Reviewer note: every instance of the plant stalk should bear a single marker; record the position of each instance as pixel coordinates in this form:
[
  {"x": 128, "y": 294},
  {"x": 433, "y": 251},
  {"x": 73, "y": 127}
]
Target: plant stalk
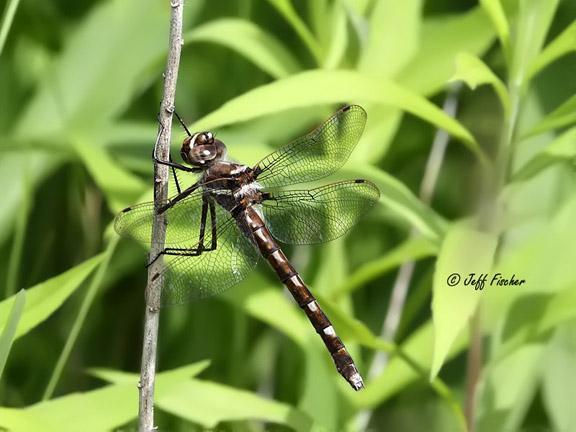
[
  {"x": 162, "y": 149},
  {"x": 406, "y": 271}
]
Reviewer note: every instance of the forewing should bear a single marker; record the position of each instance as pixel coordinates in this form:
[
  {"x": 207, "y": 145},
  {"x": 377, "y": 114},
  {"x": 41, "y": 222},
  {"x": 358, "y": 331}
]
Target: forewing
[
  {"x": 318, "y": 215},
  {"x": 316, "y": 155},
  {"x": 184, "y": 179},
  {"x": 183, "y": 221},
  {"x": 188, "y": 278}
]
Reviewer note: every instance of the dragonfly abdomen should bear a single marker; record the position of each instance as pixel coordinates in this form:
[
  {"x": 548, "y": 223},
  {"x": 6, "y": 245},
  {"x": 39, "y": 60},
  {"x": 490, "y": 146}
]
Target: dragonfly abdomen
[{"x": 292, "y": 280}]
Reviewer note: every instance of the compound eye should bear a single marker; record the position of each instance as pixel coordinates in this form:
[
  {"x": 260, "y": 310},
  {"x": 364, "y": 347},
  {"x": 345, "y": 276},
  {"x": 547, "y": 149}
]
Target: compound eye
[{"x": 204, "y": 138}]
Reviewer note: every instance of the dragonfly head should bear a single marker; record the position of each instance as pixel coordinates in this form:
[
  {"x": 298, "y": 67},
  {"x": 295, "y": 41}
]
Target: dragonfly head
[{"x": 202, "y": 149}]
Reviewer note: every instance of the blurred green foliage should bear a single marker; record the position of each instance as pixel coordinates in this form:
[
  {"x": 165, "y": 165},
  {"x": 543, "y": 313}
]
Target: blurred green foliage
[{"x": 80, "y": 84}]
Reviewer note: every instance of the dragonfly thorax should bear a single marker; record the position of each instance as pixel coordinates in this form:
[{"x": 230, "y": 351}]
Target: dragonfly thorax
[{"x": 202, "y": 150}]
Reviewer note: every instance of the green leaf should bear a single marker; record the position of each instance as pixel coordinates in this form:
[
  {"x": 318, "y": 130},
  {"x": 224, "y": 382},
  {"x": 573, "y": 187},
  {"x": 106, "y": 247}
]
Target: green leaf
[
  {"x": 286, "y": 9},
  {"x": 43, "y": 299},
  {"x": 339, "y": 38},
  {"x": 475, "y": 72},
  {"x": 464, "y": 251},
  {"x": 120, "y": 187},
  {"x": 85, "y": 91},
  {"x": 564, "y": 115},
  {"x": 532, "y": 317},
  {"x": 398, "y": 373},
  {"x": 320, "y": 384},
  {"x": 9, "y": 330},
  {"x": 532, "y": 24},
  {"x": 412, "y": 249},
  {"x": 558, "y": 378},
  {"x": 9, "y": 11},
  {"x": 496, "y": 13},
  {"x": 527, "y": 258},
  {"x": 209, "y": 404},
  {"x": 560, "y": 309},
  {"x": 269, "y": 304},
  {"x": 564, "y": 43},
  {"x": 393, "y": 35},
  {"x": 400, "y": 200},
  {"x": 84, "y": 411},
  {"x": 508, "y": 389},
  {"x": 562, "y": 149},
  {"x": 332, "y": 268},
  {"x": 81, "y": 92},
  {"x": 250, "y": 41},
  {"x": 120, "y": 377},
  {"x": 318, "y": 87},
  {"x": 441, "y": 39}
]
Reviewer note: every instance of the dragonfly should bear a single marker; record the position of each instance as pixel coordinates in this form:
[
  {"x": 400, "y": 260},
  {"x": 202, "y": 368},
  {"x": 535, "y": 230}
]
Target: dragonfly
[{"x": 234, "y": 214}]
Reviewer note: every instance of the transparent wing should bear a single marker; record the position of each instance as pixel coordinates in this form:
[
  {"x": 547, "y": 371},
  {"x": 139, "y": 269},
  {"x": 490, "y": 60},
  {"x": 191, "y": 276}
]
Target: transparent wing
[
  {"x": 185, "y": 179},
  {"x": 189, "y": 278},
  {"x": 316, "y": 155},
  {"x": 183, "y": 221},
  {"x": 318, "y": 215}
]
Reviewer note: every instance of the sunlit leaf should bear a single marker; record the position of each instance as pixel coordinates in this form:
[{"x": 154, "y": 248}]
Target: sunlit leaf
[
  {"x": 562, "y": 149},
  {"x": 209, "y": 403},
  {"x": 393, "y": 36},
  {"x": 350, "y": 328},
  {"x": 9, "y": 330},
  {"x": 411, "y": 249},
  {"x": 323, "y": 87},
  {"x": 532, "y": 24},
  {"x": 399, "y": 199},
  {"x": 43, "y": 299},
  {"x": 8, "y": 16},
  {"x": 465, "y": 251},
  {"x": 527, "y": 258},
  {"x": 475, "y": 72},
  {"x": 442, "y": 37},
  {"x": 319, "y": 381},
  {"x": 84, "y": 90},
  {"x": 250, "y": 41},
  {"x": 286, "y": 9},
  {"x": 89, "y": 82},
  {"x": 558, "y": 378},
  {"x": 496, "y": 13},
  {"x": 564, "y": 115},
  {"x": 120, "y": 377},
  {"x": 339, "y": 40},
  {"x": 508, "y": 388},
  {"x": 83, "y": 411},
  {"x": 120, "y": 187},
  {"x": 563, "y": 44},
  {"x": 398, "y": 374},
  {"x": 271, "y": 306}
]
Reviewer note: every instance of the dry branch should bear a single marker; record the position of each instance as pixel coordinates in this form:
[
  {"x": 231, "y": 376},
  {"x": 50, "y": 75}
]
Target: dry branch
[{"x": 162, "y": 148}]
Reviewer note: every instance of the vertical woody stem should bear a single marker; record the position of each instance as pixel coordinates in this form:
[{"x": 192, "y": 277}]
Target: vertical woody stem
[{"x": 152, "y": 315}]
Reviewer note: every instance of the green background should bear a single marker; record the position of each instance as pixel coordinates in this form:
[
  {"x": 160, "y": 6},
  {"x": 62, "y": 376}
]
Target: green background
[{"x": 80, "y": 85}]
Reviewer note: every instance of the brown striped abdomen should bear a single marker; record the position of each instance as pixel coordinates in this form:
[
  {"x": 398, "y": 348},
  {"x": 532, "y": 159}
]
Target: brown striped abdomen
[{"x": 290, "y": 277}]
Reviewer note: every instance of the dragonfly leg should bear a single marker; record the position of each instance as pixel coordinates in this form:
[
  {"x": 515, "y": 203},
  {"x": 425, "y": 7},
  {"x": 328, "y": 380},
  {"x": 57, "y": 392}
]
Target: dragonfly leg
[
  {"x": 169, "y": 162},
  {"x": 178, "y": 198},
  {"x": 178, "y": 252},
  {"x": 175, "y": 178},
  {"x": 213, "y": 222},
  {"x": 203, "y": 222},
  {"x": 208, "y": 204}
]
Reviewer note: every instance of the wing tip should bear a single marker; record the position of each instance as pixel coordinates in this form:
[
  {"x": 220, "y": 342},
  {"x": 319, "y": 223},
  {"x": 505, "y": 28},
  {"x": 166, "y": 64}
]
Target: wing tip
[{"x": 354, "y": 107}]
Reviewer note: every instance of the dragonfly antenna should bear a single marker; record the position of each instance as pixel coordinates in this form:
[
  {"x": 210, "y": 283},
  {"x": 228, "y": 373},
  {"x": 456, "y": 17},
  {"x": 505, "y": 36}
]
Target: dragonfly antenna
[{"x": 182, "y": 123}]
